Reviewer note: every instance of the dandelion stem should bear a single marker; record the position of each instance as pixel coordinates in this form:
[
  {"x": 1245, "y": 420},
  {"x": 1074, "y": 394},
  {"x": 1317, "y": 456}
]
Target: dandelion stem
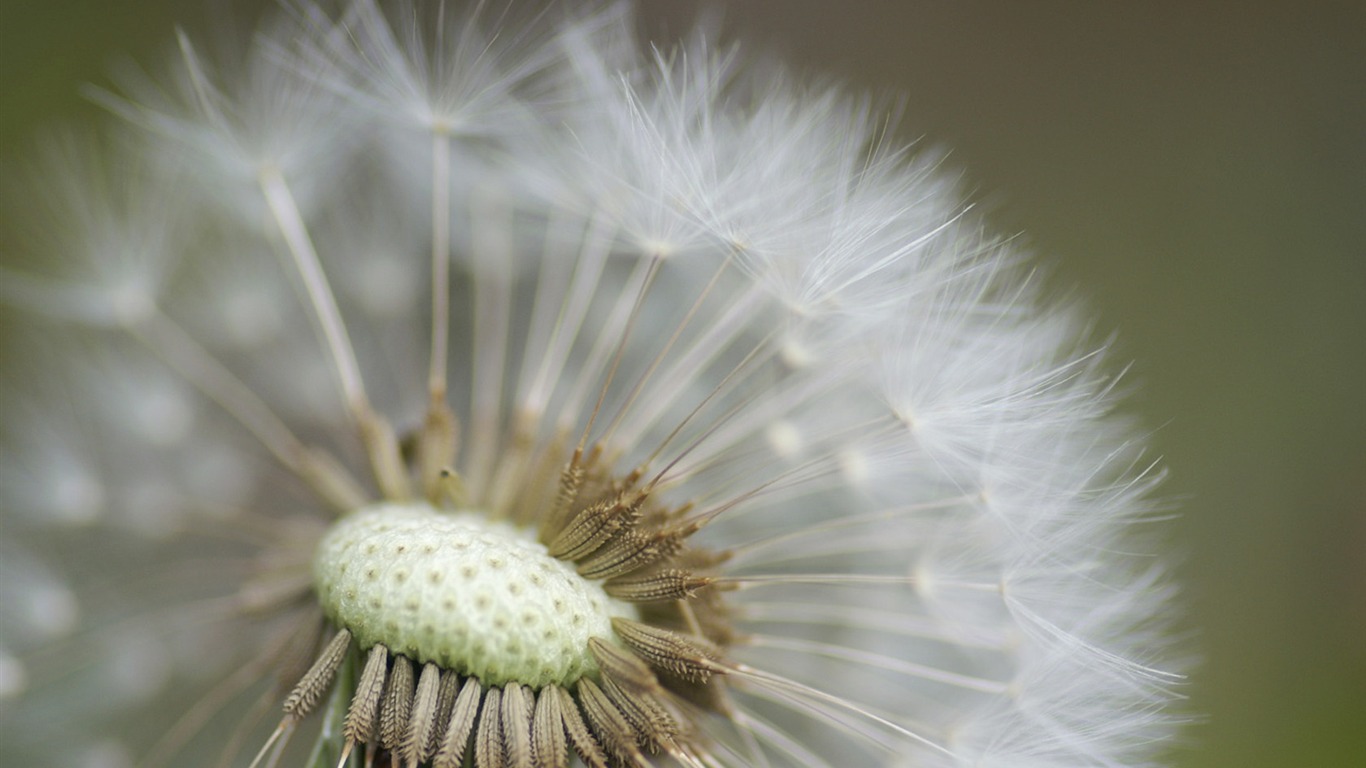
[
  {"x": 793, "y": 692},
  {"x": 295, "y": 232},
  {"x": 380, "y": 442},
  {"x": 721, "y": 387},
  {"x": 751, "y": 727},
  {"x": 874, "y": 620},
  {"x": 441, "y": 262},
  {"x": 285, "y": 727},
  {"x": 664, "y": 350},
  {"x": 703, "y": 350},
  {"x": 851, "y": 578},
  {"x": 492, "y": 308},
  {"x": 826, "y": 530},
  {"x": 547, "y": 308},
  {"x": 619, "y": 324},
  {"x": 875, "y": 660},
  {"x": 814, "y": 578},
  {"x": 588, "y": 266}
]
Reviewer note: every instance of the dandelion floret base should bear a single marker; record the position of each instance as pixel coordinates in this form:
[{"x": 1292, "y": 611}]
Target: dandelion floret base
[{"x": 477, "y": 596}]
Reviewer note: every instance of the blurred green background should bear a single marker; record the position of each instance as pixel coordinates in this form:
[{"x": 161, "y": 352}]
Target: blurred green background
[{"x": 1196, "y": 169}]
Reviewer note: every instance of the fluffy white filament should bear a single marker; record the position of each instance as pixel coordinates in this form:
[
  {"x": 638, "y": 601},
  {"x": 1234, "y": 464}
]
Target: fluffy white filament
[{"x": 719, "y": 273}]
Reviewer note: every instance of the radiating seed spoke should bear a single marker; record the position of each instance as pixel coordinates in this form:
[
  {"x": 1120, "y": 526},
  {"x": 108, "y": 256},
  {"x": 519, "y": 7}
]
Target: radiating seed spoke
[
  {"x": 689, "y": 658},
  {"x": 397, "y": 707},
  {"x": 488, "y": 739},
  {"x": 422, "y": 723},
  {"x": 457, "y": 738},
  {"x": 548, "y": 746},
  {"x": 609, "y": 724},
  {"x": 584, "y": 742},
  {"x": 363, "y": 714},
  {"x": 318, "y": 679},
  {"x": 517, "y": 708},
  {"x": 667, "y": 584}
]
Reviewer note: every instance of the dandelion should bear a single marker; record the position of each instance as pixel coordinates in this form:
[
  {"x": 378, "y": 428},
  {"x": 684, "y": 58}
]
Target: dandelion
[{"x": 442, "y": 389}]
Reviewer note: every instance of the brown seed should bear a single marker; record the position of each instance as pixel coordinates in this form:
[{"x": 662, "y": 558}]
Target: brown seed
[
  {"x": 647, "y": 714},
  {"x": 422, "y": 722},
  {"x": 397, "y": 706},
  {"x": 445, "y": 701},
  {"x": 592, "y": 527},
  {"x": 364, "y": 711},
  {"x": 669, "y": 584},
  {"x": 318, "y": 678},
  {"x": 517, "y": 708},
  {"x": 629, "y": 552},
  {"x": 622, "y": 665},
  {"x": 457, "y": 738},
  {"x": 571, "y": 480},
  {"x": 689, "y": 658},
  {"x": 548, "y": 746},
  {"x": 584, "y": 742},
  {"x": 488, "y": 739},
  {"x": 609, "y": 724}
]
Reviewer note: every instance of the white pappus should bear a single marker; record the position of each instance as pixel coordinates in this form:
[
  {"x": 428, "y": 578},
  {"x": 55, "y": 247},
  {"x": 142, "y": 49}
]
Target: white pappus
[{"x": 485, "y": 387}]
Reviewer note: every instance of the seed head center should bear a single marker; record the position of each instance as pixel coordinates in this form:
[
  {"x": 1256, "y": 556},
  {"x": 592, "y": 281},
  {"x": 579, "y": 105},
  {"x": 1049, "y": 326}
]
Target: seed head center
[{"x": 477, "y": 596}]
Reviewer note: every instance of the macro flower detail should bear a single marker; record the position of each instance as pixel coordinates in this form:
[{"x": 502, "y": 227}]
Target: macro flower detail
[{"x": 458, "y": 389}]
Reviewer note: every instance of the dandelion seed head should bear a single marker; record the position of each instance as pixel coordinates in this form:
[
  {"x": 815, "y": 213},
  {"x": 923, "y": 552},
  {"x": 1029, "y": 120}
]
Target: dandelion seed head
[{"x": 478, "y": 387}]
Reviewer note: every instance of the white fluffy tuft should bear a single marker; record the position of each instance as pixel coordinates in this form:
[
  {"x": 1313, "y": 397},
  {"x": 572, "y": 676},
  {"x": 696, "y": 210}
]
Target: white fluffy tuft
[{"x": 937, "y": 525}]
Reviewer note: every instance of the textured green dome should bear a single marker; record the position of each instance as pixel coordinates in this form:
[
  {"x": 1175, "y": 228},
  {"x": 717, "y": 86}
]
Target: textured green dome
[{"x": 477, "y": 596}]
